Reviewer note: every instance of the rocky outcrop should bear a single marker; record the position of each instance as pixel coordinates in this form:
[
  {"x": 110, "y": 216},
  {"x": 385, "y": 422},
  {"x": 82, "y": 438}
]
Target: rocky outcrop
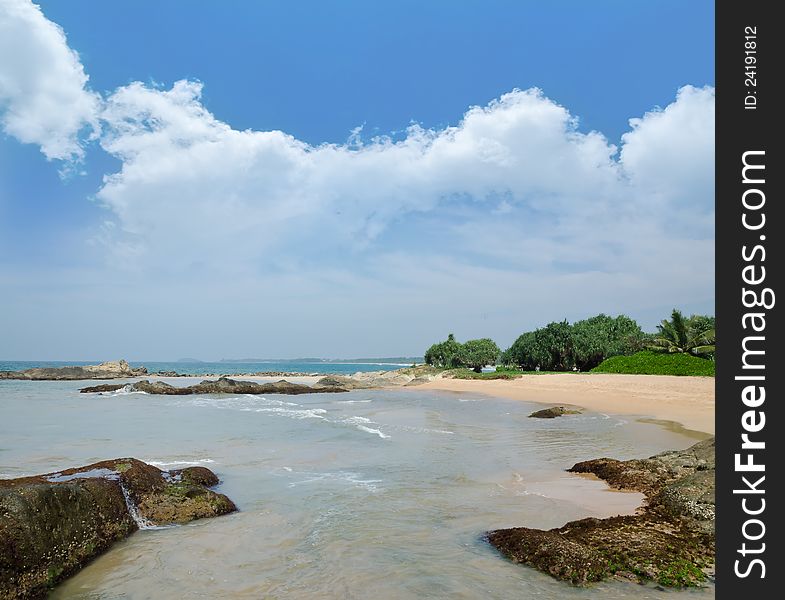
[
  {"x": 52, "y": 525},
  {"x": 223, "y": 385},
  {"x": 670, "y": 541},
  {"x": 408, "y": 376},
  {"x": 107, "y": 370},
  {"x": 553, "y": 412}
]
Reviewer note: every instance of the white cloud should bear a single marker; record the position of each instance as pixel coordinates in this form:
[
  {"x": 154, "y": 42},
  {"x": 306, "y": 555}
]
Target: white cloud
[
  {"x": 43, "y": 95},
  {"x": 184, "y": 173},
  {"x": 669, "y": 153}
]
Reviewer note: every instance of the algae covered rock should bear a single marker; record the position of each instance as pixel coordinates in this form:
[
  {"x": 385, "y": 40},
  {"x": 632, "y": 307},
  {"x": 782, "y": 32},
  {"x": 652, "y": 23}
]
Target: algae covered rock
[
  {"x": 670, "y": 540},
  {"x": 553, "y": 412},
  {"x": 51, "y": 525}
]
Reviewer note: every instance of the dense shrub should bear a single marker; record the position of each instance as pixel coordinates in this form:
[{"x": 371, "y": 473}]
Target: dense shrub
[
  {"x": 657, "y": 363},
  {"x": 451, "y": 354},
  {"x": 560, "y": 346}
]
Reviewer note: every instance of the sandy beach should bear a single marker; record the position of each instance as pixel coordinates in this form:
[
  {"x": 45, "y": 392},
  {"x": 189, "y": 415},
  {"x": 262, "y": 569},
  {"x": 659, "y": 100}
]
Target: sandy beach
[{"x": 685, "y": 400}]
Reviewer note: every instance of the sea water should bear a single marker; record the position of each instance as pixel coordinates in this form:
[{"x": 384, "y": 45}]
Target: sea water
[
  {"x": 367, "y": 494},
  {"x": 227, "y": 367}
]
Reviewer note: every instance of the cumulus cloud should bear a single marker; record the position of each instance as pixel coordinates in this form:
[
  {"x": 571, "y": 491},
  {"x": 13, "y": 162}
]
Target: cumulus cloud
[
  {"x": 185, "y": 173},
  {"x": 43, "y": 95},
  {"x": 184, "y": 168},
  {"x": 669, "y": 155}
]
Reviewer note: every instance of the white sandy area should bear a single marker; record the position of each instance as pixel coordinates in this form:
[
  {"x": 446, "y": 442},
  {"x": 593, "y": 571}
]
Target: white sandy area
[{"x": 685, "y": 400}]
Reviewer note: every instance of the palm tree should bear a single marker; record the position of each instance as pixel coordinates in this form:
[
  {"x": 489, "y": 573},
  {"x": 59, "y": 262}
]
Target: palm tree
[{"x": 675, "y": 336}]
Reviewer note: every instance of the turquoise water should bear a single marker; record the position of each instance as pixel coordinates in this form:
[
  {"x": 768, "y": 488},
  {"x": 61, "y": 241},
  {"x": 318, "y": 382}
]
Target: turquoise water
[
  {"x": 230, "y": 367},
  {"x": 382, "y": 494}
]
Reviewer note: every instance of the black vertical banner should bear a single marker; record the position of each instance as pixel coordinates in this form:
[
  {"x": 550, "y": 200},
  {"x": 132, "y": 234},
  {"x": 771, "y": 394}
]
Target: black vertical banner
[{"x": 749, "y": 265}]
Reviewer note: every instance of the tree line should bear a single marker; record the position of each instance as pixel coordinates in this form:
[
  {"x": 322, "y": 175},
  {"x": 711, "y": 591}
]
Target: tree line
[{"x": 563, "y": 346}]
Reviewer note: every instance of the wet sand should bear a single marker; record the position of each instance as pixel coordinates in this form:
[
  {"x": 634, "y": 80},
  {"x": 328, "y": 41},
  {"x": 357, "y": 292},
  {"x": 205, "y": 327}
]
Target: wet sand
[{"x": 688, "y": 401}]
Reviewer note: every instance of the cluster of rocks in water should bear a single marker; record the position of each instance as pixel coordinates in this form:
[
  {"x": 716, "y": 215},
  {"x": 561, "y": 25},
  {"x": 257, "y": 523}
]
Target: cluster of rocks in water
[
  {"x": 670, "y": 540},
  {"x": 107, "y": 370},
  {"x": 51, "y": 525},
  {"x": 222, "y": 385},
  {"x": 254, "y": 374}
]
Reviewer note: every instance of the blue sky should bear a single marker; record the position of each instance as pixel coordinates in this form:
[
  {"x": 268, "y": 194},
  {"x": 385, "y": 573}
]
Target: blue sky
[{"x": 363, "y": 247}]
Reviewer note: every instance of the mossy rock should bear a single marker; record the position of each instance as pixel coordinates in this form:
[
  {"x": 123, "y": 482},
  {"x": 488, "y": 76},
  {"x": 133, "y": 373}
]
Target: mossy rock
[
  {"x": 670, "y": 540},
  {"x": 52, "y": 525},
  {"x": 553, "y": 412}
]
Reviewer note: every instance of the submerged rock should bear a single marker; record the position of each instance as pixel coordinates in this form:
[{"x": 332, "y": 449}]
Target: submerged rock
[
  {"x": 222, "y": 385},
  {"x": 670, "y": 540},
  {"x": 107, "y": 370},
  {"x": 52, "y": 525},
  {"x": 553, "y": 412}
]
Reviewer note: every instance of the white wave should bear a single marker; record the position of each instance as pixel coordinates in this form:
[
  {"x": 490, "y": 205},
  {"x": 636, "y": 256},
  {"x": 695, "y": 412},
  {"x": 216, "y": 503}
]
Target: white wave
[
  {"x": 374, "y": 431},
  {"x": 304, "y": 413},
  {"x": 357, "y": 420},
  {"x": 126, "y": 390},
  {"x": 529, "y": 493},
  {"x": 346, "y": 477},
  {"x": 246, "y": 403},
  {"x": 469, "y": 400},
  {"x": 353, "y": 401},
  {"x": 361, "y": 424},
  {"x": 180, "y": 463},
  {"x": 423, "y": 429}
]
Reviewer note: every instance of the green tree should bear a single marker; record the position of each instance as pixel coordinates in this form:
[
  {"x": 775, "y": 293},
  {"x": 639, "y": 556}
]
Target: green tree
[
  {"x": 524, "y": 352},
  {"x": 682, "y": 335},
  {"x": 475, "y": 354},
  {"x": 601, "y": 337},
  {"x": 444, "y": 354},
  {"x": 555, "y": 344}
]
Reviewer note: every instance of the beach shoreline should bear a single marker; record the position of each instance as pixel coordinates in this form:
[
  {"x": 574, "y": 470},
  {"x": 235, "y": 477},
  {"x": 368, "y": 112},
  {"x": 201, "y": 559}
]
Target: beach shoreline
[{"x": 688, "y": 401}]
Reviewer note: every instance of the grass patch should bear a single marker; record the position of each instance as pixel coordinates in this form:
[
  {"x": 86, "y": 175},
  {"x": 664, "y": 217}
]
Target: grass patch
[
  {"x": 656, "y": 363},
  {"x": 498, "y": 374}
]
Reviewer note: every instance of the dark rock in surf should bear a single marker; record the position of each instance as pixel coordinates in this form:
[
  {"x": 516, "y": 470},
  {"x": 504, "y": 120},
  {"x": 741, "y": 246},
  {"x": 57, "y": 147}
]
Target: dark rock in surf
[
  {"x": 553, "y": 412},
  {"x": 222, "y": 385},
  {"x": 52, "y": 525}
]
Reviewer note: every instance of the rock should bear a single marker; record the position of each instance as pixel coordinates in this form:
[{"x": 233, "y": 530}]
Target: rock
[
  {"x": 106, "y": 370},
  {"x": 52, "y": 525},
  {"x": 553, "y": 412},
  {"x": 670, "y": 540},
  {"x": 339, "y": 381},
  {"x": 222, "y": 385}
]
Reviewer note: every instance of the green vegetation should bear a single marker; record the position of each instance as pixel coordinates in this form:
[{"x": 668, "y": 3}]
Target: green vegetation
[
  {"x": 657, "y": 363},
  {"x": 474, "y": 354},
  {"x": 588, "y": 345},
  {"x": 679, "y": 335},
  {"x": 444, "y": 354},
  {"x": 582, "y": 346},
  {"x": 680, "y": 573}
]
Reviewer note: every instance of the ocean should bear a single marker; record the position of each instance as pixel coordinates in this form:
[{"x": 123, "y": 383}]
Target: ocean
[
  {"x": 228, "y": 367},
  {"x": 382, "y": 494}
]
